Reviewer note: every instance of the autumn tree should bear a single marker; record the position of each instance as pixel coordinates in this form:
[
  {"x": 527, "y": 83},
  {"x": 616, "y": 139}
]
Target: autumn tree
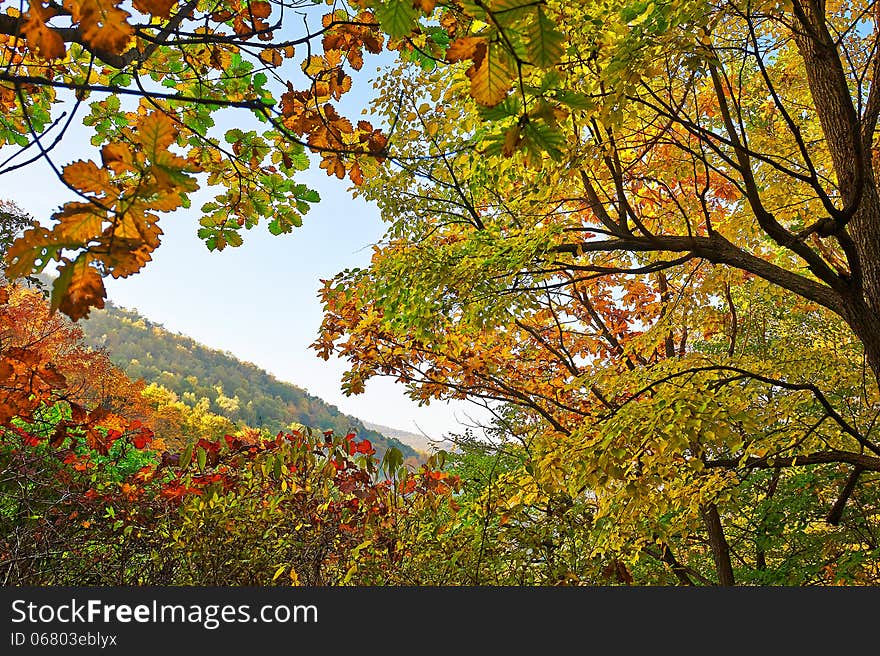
[
  {"x": 660, "y": 244},
  {"x": 649, "y": 226},
  {"x": 68, "y": 419}
]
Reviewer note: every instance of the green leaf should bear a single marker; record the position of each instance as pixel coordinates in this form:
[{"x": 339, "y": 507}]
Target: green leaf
[
  {"x": 186, "y": 456},
  {"x": 310, "y": 196},
  {"x": 59, "y": 287},
  {"x": 546, "y": 138},
  {"x": 544, "y": 41},
  {"x": 397, "y": 18},
  {"x": 509, "y": 107},
  {"x": 575, "y": 100},
  {"x": 500, "y": 6},
  {"x": 392, "y": 461},
  {"x": 349, "y": 574}
]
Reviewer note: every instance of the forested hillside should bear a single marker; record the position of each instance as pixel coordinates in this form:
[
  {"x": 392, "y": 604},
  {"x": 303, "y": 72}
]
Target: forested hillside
[{"x": 238, "y": 390}]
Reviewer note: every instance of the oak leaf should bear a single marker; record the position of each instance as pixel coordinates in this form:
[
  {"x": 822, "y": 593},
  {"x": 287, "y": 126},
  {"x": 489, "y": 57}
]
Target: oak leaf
[
  {"x": 81, "y": 288},
  {"x": 102, "y": 24},
  {"x": 157, "y": 8},
  {"x": 41, "y": 38}
]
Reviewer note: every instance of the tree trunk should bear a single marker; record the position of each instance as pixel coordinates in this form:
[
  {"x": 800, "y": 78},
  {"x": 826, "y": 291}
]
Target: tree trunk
[
  {"x": 720, "y": 548},
  {"x": 858, "y": 229}
]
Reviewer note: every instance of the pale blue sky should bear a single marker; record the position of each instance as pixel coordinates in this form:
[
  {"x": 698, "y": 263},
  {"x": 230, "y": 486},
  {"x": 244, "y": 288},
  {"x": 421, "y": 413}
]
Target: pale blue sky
[{"x": 258, "y": 301}]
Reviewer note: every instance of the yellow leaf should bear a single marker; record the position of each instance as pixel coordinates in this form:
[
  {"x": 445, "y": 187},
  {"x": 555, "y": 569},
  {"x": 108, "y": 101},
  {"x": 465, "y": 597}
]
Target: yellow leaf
[
  {"x": 270, "y": 57},
  {"x": 492, "y": 79},
  {"x": 155, "y": 132},
  {"x": 313, "y": 65},
  {"x": 79, "y": 222}
]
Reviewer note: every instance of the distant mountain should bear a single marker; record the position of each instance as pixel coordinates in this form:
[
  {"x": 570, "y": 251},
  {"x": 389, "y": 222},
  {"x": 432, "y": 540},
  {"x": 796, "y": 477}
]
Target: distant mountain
[
  {"x": 238, "y": 390},
  {"x": 419, "y": 442}
]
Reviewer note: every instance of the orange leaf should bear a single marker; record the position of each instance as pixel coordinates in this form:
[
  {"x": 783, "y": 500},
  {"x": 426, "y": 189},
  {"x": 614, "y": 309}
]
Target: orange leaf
[
  {"x": 356, "y": 174},
  {"x": 117, "y": 157},
  {"x": 102, "y": 24},
  {"x": 6, "y": 370},
  {"x": 41, "y": 38},
  {"x": 84, "y": 291},
  {"x": 158, "y": 8},
  {"x": 87, "y": 176},
  {"x": 466, "y": 47},
  {"x": 492, "y": 79}
]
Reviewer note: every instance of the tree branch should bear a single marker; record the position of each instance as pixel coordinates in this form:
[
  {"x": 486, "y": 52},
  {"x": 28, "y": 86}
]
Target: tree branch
[
  {"x": 860, "y": 460},
  {"x": 718, "y": 250}
]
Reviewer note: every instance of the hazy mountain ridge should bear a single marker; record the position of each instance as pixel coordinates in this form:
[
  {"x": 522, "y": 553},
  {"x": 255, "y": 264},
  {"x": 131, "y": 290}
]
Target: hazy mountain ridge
[
  {"x": 238, "y": 390},
  {"x": 419, "y": 442}
]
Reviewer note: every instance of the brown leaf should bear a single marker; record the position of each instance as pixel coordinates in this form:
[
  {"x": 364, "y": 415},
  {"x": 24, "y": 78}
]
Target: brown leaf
[
  {"x": 260, "y": 9},
  {"x": 58, "y": 435},
  {"x": 51, "y": 376}
]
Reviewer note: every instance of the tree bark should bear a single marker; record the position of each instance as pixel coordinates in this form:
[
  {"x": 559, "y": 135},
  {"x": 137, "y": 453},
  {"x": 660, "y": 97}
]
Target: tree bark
[
  {"x": 720, "y": 548},
  {"x": 857, "y": 225}
]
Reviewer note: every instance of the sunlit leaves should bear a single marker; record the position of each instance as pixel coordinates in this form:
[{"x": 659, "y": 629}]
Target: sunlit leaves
[
  {"x": 527, "y": 217},
  {"x": 147, "y": 158},
  {"x": 256, "y": 172},
  {"x": 43, "y": 361}
]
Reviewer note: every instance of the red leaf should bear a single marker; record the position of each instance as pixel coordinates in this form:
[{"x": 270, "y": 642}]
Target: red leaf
[
  {"x": 143, "y": 437},
  {"x": 365, "y": 446}
]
